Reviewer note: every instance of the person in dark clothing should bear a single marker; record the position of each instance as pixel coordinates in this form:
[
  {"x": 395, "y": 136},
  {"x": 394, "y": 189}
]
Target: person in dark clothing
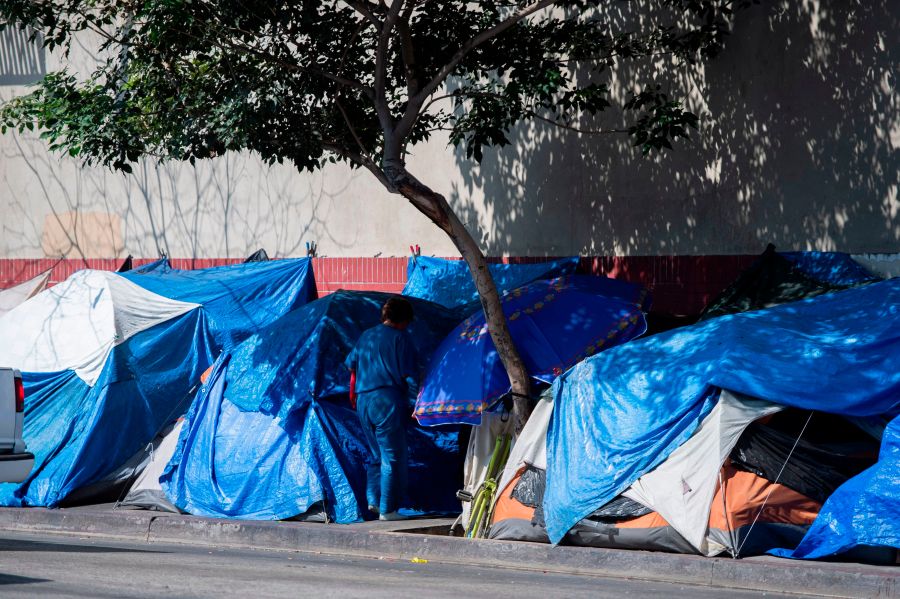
[{"x": 383, "y": 376}]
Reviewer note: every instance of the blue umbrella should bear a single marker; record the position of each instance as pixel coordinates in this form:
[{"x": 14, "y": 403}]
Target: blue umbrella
[{"x": 555, "y": 324}]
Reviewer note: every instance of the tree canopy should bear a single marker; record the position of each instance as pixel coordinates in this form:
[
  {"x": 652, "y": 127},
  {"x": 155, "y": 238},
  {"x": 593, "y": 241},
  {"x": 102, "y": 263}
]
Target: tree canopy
[
  {"x": 360, "y": 81},
  {"x": 315, "y": 81}
]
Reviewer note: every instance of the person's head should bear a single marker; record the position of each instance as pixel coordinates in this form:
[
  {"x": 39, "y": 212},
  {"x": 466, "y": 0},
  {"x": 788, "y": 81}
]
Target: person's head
[{"x": 397, "y": 312}]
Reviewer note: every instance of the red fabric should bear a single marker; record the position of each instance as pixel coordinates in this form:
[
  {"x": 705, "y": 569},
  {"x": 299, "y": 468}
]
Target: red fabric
[{"x": 353, "y": 389}]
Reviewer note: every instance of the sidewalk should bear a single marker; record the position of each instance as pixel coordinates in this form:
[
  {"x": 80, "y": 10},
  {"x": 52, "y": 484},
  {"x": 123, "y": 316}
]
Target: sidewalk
[{"x": 425, "y": 539}]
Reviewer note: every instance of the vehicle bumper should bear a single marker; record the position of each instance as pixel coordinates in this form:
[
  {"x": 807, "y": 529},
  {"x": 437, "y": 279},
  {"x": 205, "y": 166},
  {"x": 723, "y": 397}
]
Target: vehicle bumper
[{"x": 15, "y": 467}]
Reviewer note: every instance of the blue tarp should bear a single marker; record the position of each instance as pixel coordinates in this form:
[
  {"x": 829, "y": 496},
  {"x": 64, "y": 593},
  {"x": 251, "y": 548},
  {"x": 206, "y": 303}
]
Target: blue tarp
[
  {"x": 863, "y": 511},
  {"x": 79, "y": 433},
  {"x": 834, "y": 268},
  {"x": 449, "y": 283},
  {"x": 238, "y": 299},
  {"x": 302, "y": 355},
  {"x": 271, "y": 433},
  {"x": 159, "y": 266},
  {"x": 620, "y": 413},
  {"x": 230, "y": 463}
]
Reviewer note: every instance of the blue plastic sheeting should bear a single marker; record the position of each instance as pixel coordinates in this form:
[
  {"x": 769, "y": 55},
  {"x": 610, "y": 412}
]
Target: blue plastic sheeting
[
  {"x": 448, "y": 282},
  {"x": 620, "y": 413},
  {"x": 239, "y": 299},
  {"x": 158, "y": 266},
  {"x": 235, "y": 464},
  {"x": 220, "y": 446},
  {"x": 271, "y": 433},
  {"x": 301, "y": 356},
  {"x": 863, "y": 511},
  {"x": 80, "y": 433},
  {"x": 554, "y": 324},
  {"x": 834, "y": 268}
]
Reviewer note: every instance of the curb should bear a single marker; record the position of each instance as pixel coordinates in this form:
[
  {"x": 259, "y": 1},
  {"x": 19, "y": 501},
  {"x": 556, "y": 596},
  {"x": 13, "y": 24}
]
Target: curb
[{"x": 404, "y": 543}]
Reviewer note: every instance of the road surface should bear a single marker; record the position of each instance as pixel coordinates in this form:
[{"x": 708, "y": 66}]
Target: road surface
[{"x": 63, "y": 566}]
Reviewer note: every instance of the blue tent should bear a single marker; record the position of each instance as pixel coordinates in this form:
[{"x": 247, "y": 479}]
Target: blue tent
[
  {"x": 161, "y": 265},
  {"x": 303, "y": 354},
  {"x": 79, "y": 432},
  {"x": 84, "y": 420},
  {"x": 238, "y": 299},
  {"x": 621, "y": 413},
  {"x": 449, "y": 283},
  {"x": 271, "y": 433}
]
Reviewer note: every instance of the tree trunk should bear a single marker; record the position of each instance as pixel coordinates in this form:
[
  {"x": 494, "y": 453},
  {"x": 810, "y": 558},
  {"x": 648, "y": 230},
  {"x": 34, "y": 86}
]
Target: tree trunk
[{"x": 435, "y": 207}]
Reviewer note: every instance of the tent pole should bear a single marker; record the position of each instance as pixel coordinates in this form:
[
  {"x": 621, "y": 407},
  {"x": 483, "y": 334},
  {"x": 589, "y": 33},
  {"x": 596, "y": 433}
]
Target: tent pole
[{"x": 774, "y": 482}]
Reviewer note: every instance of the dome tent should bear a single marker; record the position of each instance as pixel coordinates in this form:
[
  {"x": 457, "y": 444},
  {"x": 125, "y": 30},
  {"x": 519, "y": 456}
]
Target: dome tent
[
  {"x": 107, "y": 362},
  {"x": 271, "y": 434}
]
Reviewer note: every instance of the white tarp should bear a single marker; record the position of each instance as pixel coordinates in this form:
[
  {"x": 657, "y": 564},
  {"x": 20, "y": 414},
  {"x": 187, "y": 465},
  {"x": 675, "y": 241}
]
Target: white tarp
[
  {"x": 74, "y": 325},
  {"x": 146, "y": 492},
  {"x": 531, "y": 446},
  {"x": 13, "y": 296},
  {"x": 682, "y": 488}
]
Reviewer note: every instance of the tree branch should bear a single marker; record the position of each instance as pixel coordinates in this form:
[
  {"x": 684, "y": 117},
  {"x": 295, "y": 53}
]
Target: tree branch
[
  {"x": 360, "y": 160},
  {"x": 555, "y": 123},
  {"x": 408, "y": 52},
  {"x": 362, "y": 147},
  {"x": 366, "y": 9},
  {"x": 414, "y": 105},
  {"x": 381, "y": 59}
]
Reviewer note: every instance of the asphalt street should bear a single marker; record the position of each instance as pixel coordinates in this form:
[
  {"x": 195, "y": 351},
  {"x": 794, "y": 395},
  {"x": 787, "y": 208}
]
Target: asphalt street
[{"x": 62, "y": 566}]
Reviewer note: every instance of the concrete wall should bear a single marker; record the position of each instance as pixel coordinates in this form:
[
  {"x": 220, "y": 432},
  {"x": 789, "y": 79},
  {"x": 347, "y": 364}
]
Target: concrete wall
[{"x": 799, "y": 146}]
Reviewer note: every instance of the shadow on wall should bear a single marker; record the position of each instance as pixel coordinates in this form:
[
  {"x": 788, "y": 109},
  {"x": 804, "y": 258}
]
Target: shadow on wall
[
  {"x": 52, "y": 206},
  {"x": 798, "y": 146},
  {"x": 800, "y": 131},
  {"x": 230, "y": 206},
  {"x": 21, "y": 61}
]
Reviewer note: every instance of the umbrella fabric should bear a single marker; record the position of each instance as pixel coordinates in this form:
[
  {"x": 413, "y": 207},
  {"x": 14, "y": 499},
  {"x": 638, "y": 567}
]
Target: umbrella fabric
[{"x": 554, "y": 323}]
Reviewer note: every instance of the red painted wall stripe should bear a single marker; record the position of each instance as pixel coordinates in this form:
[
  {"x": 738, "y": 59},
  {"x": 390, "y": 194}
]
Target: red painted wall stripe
[{"x": 680, "y": 284}]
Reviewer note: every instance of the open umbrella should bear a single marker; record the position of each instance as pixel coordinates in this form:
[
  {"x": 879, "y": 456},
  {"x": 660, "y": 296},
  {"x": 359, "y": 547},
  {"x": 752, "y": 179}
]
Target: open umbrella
[{"x": 555, "y": 323}]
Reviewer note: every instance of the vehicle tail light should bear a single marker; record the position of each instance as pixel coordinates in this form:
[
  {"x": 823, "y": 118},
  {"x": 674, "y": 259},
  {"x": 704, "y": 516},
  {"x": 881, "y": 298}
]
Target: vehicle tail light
[{"x": 20, "y": 395}]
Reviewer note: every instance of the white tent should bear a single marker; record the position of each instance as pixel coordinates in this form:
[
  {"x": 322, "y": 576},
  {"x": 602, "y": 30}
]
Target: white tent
[
  {"x": 13, "y": 296},
  {"x": 530, "y": 448},
  {"x": 75, "y": 325},
  {"x": 146, "y": 492},
  {"x": 680, "y": 490}
]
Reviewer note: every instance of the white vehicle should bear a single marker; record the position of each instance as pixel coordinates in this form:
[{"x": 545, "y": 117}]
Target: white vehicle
[{"x": 15, "y": 462}]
